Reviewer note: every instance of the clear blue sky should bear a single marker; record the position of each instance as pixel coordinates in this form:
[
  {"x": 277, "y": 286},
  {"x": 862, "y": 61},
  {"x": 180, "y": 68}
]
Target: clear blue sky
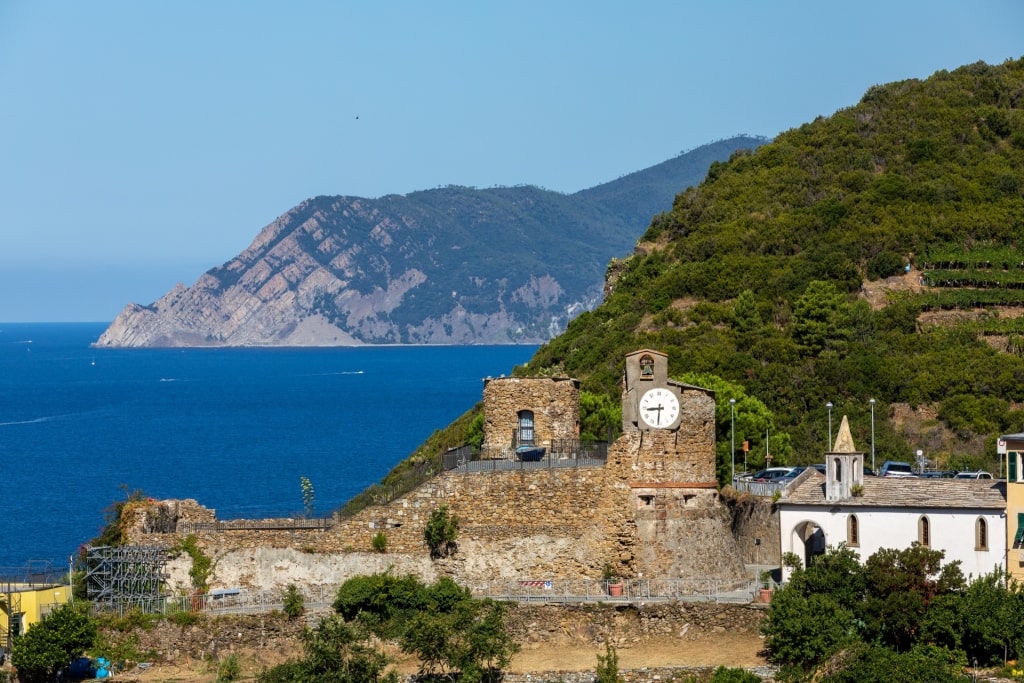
[{"x": 142, "y": 143}]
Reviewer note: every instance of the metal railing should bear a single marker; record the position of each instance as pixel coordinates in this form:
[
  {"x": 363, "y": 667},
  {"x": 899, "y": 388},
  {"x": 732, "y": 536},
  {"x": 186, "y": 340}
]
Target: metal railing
[
  {"x": 558, "y": 453},
  {"x": 629, "y": 591},
  {"x": 760, "y": 488},
  {"x": 33, "y": 574},
  {"x": 315, "y": 524}
]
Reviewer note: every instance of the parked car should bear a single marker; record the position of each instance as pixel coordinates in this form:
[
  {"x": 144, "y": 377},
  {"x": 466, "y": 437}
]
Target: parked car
[
  {"x": 939, "y": 474},
  {"x": 896, "y": 468},
  {"x": 771, "y": 474},
  {"x": 973, "y": 475},
  {"x": 793, "y": 474}
]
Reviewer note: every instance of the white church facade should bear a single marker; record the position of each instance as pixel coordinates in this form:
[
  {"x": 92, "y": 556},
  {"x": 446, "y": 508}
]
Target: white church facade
[{"x": 964, "y": 518}]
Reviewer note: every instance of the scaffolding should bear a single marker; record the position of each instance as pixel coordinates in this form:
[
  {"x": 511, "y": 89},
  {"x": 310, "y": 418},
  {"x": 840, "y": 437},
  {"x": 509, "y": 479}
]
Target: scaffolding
[{"x": 125, "y": 577}]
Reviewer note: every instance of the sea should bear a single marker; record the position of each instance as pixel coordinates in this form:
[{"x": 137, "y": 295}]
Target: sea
[{"x": 234, "y": 428}]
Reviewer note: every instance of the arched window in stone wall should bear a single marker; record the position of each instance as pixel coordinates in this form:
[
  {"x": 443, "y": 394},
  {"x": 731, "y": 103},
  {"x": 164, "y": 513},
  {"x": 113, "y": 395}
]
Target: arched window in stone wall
[
  {"x": 924, "y": 532},
  {"x": 526, "y": 434},
  {"x": 839, "y": 469},
  {"x": 852, "y": 531}
]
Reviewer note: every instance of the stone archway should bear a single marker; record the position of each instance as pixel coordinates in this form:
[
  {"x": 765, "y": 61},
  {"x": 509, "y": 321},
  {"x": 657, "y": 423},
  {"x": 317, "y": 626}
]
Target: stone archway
[{"x": 807, "y": 540}]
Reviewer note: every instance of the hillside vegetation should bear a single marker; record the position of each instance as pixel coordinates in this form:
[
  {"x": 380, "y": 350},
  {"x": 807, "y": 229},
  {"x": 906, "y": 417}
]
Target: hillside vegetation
[{"x": 757, "y": 276}]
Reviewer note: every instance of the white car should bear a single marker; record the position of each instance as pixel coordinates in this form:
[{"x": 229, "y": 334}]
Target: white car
[
  {"x": 973, "y": 475},
  {"x": 896, "y": 468}
]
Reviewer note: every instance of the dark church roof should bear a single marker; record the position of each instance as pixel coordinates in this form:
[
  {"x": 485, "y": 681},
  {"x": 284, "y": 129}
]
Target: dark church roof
[{"x": 903, "y": 492}]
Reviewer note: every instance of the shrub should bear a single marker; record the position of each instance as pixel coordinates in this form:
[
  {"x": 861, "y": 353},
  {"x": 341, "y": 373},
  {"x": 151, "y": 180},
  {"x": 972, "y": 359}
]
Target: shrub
[
  {"x": 229, "y": 669},
  {"x": 441, "y": 531},
  {"x": 724, "y": 675},
  {"x": 294, "y": 603},
  {"x": 608, "y": 665},
  {"x": 50, "y": 645},
  {"x": 380, "y": 542}
]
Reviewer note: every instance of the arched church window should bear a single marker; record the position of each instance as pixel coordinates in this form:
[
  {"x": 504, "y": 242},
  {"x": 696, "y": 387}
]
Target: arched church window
[
  {"x": 924, "y": 532},
  {"x": 852, "y": 531}
]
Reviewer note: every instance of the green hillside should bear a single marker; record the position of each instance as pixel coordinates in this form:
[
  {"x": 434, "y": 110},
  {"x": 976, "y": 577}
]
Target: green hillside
[{"x": 756, "y": 275}]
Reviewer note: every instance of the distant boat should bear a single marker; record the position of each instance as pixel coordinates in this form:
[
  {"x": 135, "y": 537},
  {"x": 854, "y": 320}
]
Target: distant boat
[{"x": 530, "y": 453}]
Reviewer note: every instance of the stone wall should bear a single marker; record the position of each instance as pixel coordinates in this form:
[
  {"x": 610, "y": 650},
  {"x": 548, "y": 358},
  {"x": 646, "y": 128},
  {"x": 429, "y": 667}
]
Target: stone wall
[
  {"x": 529, "y": 625},
  {"x": 755, "y": 519},
  {"x": 554, "y": 402},
  {"x": 653, "y": 510},
  {"x": 556, "y": 523}
]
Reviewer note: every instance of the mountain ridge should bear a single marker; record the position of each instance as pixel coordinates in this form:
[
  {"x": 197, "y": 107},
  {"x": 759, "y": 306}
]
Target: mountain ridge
[{"x": 450, "y": 265}]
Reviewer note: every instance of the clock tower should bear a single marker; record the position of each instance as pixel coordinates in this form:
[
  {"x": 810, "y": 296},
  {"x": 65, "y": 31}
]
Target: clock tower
[{"x": 666, "y": 458}]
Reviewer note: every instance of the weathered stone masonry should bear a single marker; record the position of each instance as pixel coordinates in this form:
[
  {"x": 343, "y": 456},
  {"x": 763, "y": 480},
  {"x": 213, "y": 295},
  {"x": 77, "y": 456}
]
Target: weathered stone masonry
[{"x": 653, "y": 510}]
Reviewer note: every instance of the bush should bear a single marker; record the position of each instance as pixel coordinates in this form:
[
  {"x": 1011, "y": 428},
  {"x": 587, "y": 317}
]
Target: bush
[
  {"x": 50, "y": 645},
  {"x": 608, "y": 665},
  {"x": 229, "y": 669},
  {"x": 380, "y": 542},
  {"x": 724, "y": 675},
  {"x": 441, "y": 532},
  {"x": 294, "y": 603},
  {"x": 884, "y": 265}
]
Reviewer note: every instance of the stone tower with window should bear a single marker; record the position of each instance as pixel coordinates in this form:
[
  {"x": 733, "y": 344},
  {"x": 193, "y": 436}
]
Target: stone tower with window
[{"x": 536, "y": 411}]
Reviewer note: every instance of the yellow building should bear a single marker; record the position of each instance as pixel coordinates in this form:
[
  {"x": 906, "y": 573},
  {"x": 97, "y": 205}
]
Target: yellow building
[
  {"x": 23, "y": 603},
  {"x": 1012, "y": 446}
]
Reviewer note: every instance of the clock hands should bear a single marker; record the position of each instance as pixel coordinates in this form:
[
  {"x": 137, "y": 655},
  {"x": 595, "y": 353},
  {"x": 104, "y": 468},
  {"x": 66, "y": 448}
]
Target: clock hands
[{"x": 658, "y": 408}]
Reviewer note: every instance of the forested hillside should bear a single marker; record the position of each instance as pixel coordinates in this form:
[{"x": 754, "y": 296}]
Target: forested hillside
[{"x": 757, "y": 280}]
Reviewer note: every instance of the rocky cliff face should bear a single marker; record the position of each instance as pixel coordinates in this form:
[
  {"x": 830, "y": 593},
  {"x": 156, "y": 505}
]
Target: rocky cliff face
[{"x": 446, "y": 266}]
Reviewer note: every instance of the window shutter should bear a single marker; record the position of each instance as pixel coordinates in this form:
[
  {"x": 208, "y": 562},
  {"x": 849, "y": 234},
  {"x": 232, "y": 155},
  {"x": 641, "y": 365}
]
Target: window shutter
[{"x": 1011, "y": 466}]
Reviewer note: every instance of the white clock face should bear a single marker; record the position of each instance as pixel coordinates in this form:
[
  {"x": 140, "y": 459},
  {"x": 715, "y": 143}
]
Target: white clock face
[{"x": 659, "y": 408}]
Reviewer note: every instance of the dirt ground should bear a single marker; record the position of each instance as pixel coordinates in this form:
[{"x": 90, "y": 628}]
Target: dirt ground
[{"x": 729, "y": 649}]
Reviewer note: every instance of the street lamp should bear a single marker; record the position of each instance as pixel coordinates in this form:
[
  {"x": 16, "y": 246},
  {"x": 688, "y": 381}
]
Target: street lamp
[
  {"x": 732, "y": 429},
  {"x": 872, "y": 402},
  {"x": 829, "y": 445}
]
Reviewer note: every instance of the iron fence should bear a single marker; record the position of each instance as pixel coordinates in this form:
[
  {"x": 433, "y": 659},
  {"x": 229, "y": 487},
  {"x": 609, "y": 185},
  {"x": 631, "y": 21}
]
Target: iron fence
[
  {"x": 301, "y": 524},
  {"x": 558, "y": 453},
  {"x": 766, "y": 489},
  {"x": 627, "y": 591}
]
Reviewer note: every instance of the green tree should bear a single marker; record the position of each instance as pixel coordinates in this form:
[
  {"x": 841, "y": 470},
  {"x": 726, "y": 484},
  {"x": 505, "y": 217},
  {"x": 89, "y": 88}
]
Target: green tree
[
  {"x": 875, "y": 664},
  {"x": 469, "y": 638},
  {"x": 902, "y": 585},
  {"x": 600, "y": 416},
  {"x": 746, "y": 318},
  {"x": 753, "y": 420},
  {"x": 51, "y": 644},
  {"x": 815, "y": 613},
  {"x": 333, "y": 652},
  {"x": 821, "y": 318}
]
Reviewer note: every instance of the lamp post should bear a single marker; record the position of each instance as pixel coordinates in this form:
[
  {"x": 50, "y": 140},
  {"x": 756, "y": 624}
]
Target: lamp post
[
  {"x": 872, "y": 402},
  {"x": 732, "y": 429},
  {"x": 828, "y": 447}
]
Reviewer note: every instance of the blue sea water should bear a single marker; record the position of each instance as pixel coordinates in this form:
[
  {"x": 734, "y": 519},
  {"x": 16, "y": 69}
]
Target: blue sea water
[{"x": 235, "y": 429}]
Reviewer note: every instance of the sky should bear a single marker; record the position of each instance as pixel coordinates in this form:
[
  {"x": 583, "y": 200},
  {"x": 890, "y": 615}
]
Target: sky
[{"x": 143, "y": 143}]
